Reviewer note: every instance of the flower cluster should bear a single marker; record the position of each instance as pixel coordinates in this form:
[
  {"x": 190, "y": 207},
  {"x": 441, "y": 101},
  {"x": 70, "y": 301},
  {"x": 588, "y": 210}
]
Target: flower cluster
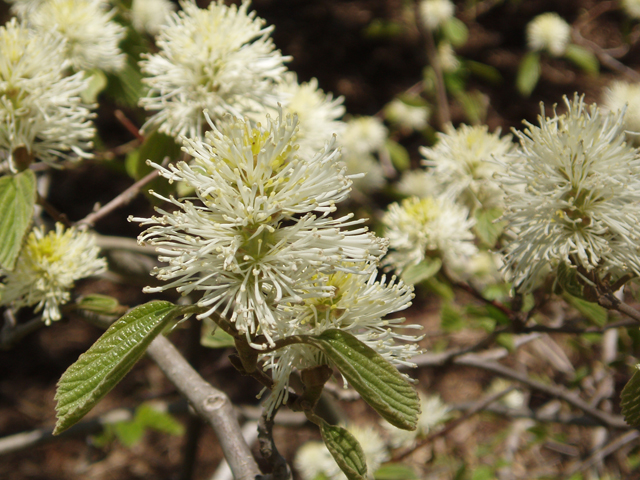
[
  {"x": 150, "y": 15},
  {"x": 464, "y": 162},
  {"x": 48, "y": 266},
  {"x": 625, "y": 96},
  {"x": 428, "y": 227},
  {"x": 220, "y": 59},
  {"x": 358, "y": 305},
  {"x": 91, "y": 36},
  {"x": 41, "y": 113},
  {"x": 259, "y": 233},
  {"x": 434, "y": 13},
  {"x": 549, "y": 32},
  {"x": 361, "y": 140},
  {"x": 573, "y": 197}
]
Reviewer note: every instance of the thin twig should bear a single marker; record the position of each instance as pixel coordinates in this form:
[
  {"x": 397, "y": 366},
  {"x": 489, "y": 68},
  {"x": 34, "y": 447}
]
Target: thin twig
[
  {"x": 12, "y": 334},
  {"x": 604, "y": 57},
  {"x": 128, "y": 124},
  {"x": 119, "y": 201},
  {"x": 211, "y": 404},
  {"x": 611, "y": 302},
  {"x": 444, "y": 116},
  {"x": 474, "y": 360},
  {"x": 556, "y": 417},
  {"x": 606, "y": 450},
  {"x": 53, "y": 211},
  {"x": 477, "y": 407}
]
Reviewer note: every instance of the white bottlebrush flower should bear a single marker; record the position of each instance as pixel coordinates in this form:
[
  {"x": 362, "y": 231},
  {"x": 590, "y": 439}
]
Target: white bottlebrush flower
[
  {"x": 40, "y": 108},
  {"x": 361, "y": 140},
  {"x": 624, "y": 96},
  {"x": 358, "y": 305},
  {"x": 631, "y": 8},
  {"x": 150, "y": 15},
  {"x": 428, "y": 227},
  {"x": 464, "y": 161},
  {"x": 433, "y": 413},
  {"x": 313, "y": 460},
  {"x": 409, "y": 117},
  {"x": 318, "y": 112},
  {"x": 220, "y": 59},
  {"x": 22, "y": 8},
  {"x": 434, "y": 13},
  {"x": 47, "y": 267},
  {"x": 573, "y": 196},
  {"x": 91, "y": 35},
  {"x": 258, "y": 233},
  {"x": 363, "y": 135},
  {"x": 418, "y": 183},
  {"x": 550, "y": 32}
]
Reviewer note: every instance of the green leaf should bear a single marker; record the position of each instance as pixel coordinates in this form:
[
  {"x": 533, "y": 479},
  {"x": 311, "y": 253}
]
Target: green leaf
[
  {"x": 398, "y": 154},
  {"x": 374, "y": 378},
  {"x": 484, "y": 71},
  {"x": 108, "y": 360},
  {"x": 102, "y": 304},
  {"x": 97, "y": 83},
  {"x": 483, "y": 472},
  {"x": 451, "y": 318},
  {"x": 146, "y": 417},
  {"x": 345, "y": 449},
  {"x": 455, "y": 31},
  {"x": 156, "y": 147},
  {"x": 395, "y": 471},
  {"x": 592, "y": 311},
  {"x": 630, "y": 399},
  {"x": 441, "y": 289},
  {"x": 528, "y": 73},
  {"x": 422, "y": 271},
  {"x": 17, "y": 199},
  {"x": 583, "y": 59},
  {"x": 486, "y": 227},
  {"x": 125, "y": 86},
  {"x": 213, "y": 337},
  {"x": 474, "y": 104}
]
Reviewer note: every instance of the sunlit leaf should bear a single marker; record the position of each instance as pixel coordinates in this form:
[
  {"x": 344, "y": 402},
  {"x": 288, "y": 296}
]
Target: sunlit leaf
[
  {"x": 374, "y": 378},
  {"x": 345, "y": 449},
  {"x": 108, "y": 360},
  {"x": 17, "y": 200},
  {"x": 528, "y": 73}
]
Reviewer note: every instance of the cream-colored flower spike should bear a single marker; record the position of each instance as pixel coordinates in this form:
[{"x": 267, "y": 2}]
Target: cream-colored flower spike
[
  {"x": 549, "y": 32},
  {"x": 464, "y": 161},
  {"x": 359, "y": 305},
  {"x": 41, "y": 114},
  {"x": 151, "y": 15},
  {"x": 87, "y": 26},
  {"x": 47, "y": 268},
  {"x": 425, "y": 227},
  {"x": 258, "y": 234},
  {"x": 220, "y": 59},
  {"x": 573, "y": 197}
]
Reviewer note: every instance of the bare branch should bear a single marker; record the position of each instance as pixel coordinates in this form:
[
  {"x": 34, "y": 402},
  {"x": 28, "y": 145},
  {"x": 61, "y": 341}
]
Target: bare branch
[
  {"x": 119, "y": 201},
  {"x": 211, "y": 404}
]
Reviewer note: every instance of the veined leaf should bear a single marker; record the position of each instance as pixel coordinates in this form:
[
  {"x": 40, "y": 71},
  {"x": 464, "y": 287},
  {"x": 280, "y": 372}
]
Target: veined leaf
[
  {"x": 421, "y": 271},
  {"x": 528, "y": 73},
  {"x": 592, "y": 311},
  {"x": 17, "y": 198},
  {"x": 375, "y": 379},
  {"x": 345, "y": 450},
  {"x": 102, "y": 304},
  {"x": 108, "y": 360},
  {"x": 630, "y": 400}
]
